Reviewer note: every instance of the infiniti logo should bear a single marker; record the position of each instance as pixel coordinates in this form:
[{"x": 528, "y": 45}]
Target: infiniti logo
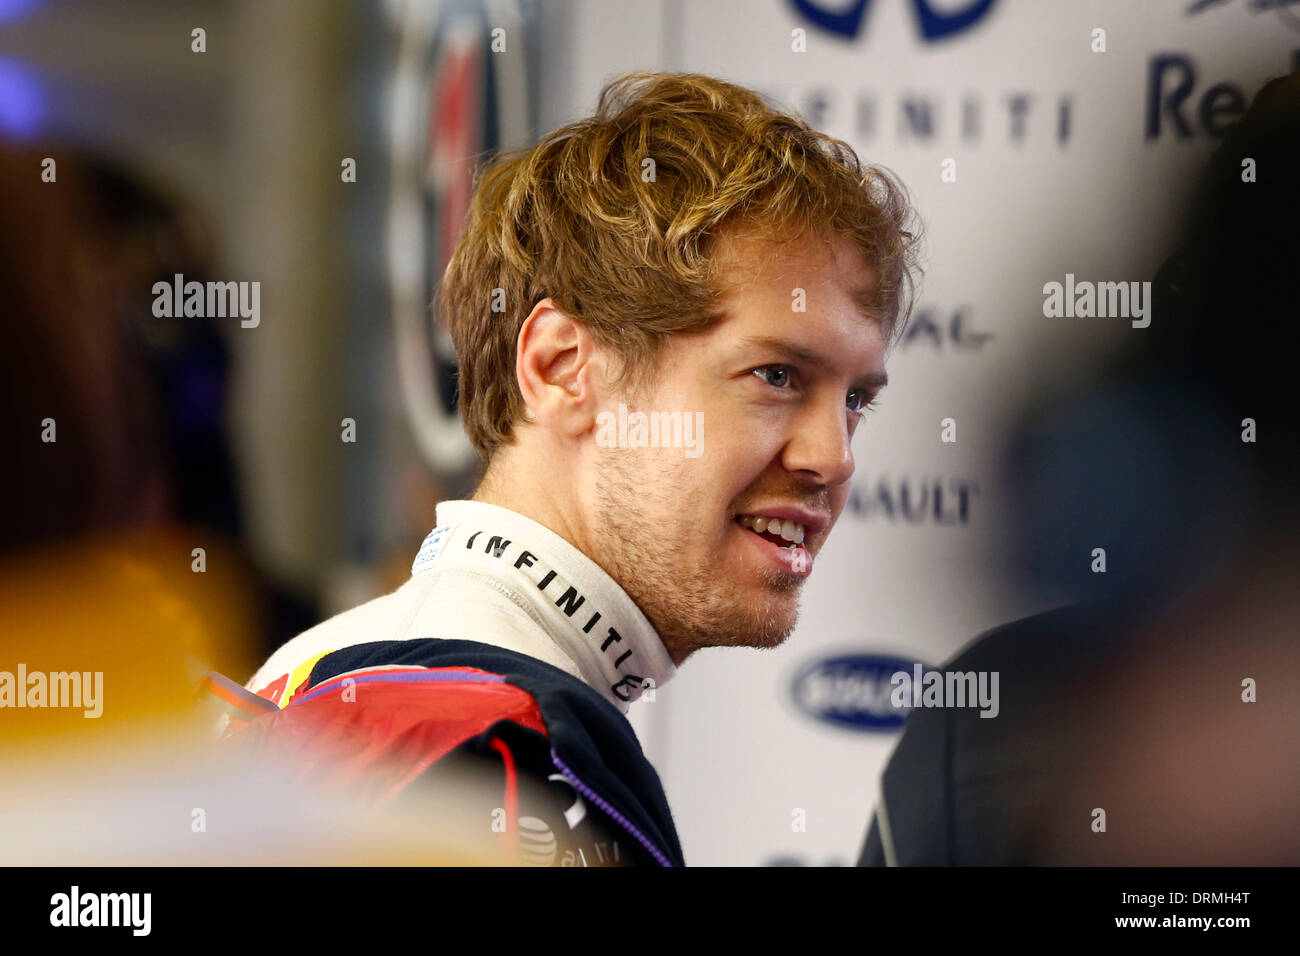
[
  {"x": 1286, "y": 10},
  {"x": 933, "y": 25}
]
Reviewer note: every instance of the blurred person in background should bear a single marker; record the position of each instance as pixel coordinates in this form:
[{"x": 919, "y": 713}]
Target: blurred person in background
[
  {"x": 1154, "y": 723},
  {"x": 118, "y": 464},
  {"x": 646, "y": 264},
  {"x": 117, "y": 469}
]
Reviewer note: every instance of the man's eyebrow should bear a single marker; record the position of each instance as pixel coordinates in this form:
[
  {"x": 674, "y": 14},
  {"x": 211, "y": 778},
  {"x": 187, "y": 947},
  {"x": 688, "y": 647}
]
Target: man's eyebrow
[
  {"x": 809, "y": 357},
  {"x": 865, "y": 300}
]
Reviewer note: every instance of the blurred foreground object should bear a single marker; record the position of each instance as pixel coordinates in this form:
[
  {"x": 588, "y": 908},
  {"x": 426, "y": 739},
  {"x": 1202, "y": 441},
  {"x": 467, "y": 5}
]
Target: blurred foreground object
[{"x": 1159, "y": 723}]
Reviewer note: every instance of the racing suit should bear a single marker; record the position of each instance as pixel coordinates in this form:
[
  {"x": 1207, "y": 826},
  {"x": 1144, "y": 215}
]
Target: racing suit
[{"x": 497, "y": 604}]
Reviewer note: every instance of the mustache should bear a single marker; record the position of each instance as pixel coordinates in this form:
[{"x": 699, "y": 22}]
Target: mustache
[{"x": 821, "y": 502}]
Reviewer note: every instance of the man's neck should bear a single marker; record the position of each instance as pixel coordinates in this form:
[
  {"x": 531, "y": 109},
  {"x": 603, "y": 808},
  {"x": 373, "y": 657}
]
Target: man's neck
[
  {"x": 499, "y": 488},
  {"x": 495, "y": 489},
  {"x": 611, "y": 641}
]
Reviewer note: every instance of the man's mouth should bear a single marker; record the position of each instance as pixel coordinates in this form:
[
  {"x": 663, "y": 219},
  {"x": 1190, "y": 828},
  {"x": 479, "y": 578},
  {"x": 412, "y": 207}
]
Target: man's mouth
[
  {"x": 780, "y": 531},
  {"x": 780, "y": 540}
]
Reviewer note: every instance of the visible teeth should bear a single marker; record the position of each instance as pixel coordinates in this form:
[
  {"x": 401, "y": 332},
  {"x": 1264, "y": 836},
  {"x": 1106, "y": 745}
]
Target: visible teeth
[{"x": 785, "y": 528}]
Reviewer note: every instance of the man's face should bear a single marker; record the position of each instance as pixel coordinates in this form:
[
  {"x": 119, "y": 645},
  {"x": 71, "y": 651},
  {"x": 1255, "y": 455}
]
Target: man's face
[{"x": 779, "y": 394}]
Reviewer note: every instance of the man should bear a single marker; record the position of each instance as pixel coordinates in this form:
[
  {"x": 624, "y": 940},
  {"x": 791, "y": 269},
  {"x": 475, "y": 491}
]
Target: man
[{"x": 670, "y": 318}]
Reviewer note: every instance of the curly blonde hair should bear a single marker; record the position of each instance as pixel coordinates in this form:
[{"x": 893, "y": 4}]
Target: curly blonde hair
[{"x": 615, "y": 217}]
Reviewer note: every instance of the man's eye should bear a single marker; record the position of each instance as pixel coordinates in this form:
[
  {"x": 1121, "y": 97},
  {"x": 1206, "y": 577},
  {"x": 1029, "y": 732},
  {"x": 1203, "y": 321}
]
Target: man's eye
[
  {"x": 857, "y": 402},
  {"x": 777, "y": 376}
]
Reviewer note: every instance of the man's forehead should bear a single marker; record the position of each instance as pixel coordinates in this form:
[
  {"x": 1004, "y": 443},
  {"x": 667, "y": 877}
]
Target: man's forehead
[{"x": 763, "y": 265}]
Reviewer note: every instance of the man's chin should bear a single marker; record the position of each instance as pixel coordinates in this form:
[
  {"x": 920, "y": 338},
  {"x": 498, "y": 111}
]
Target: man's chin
[
  {"x": 772, "y": 629},
  {"x": 768, "y": 640},
  {"x": 758, "y": 640}
]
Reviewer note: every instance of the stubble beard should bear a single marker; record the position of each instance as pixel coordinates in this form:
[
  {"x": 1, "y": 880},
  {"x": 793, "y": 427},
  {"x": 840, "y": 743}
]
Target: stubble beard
[{"x": 640, "y": 533}]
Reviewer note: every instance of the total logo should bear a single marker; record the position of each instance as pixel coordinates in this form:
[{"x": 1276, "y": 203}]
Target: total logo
[
  {"x": 852, "y": 691},
  {"x": 934, "y": 25}
]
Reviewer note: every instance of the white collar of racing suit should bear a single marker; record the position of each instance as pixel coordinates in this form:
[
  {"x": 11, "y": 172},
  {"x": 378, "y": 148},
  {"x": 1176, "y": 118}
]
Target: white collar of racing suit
[{"x": 582, "y": 609}]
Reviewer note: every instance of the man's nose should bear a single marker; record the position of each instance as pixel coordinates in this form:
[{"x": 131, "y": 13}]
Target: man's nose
[{"x": 821, "y": 445}]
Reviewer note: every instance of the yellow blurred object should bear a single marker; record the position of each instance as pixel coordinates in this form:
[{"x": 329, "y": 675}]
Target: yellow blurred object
[
  {"x": 146, "y": 783},
  {"x": 130, "y": 607}
]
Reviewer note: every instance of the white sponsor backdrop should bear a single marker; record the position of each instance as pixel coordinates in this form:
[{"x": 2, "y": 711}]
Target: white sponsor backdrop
[{"x": 738, "y": 760}]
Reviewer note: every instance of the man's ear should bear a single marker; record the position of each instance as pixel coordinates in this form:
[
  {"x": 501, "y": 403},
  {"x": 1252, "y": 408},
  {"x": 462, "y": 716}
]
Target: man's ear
[{"x": 555, "y": 364}]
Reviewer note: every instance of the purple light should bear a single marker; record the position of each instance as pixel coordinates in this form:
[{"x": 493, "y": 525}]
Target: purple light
[
  {"x": 22, "y": 99},
  {"x": 14, "y": 9}
]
